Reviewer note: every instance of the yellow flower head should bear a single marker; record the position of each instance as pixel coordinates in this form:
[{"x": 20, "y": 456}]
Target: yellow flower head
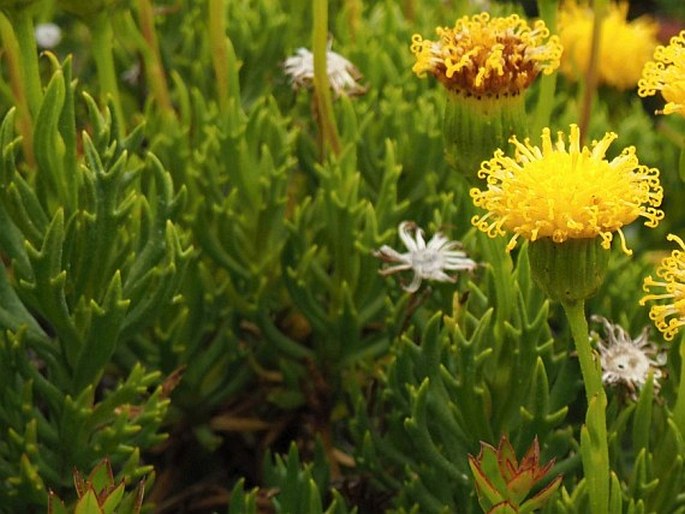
[
  {"x": 671, "y": 271},
  {"x": 667, "y": 75},
  {"x": 624, "y": 46},
  {"x": 487, "y": 56},
  {"x": 565, "y": 193}
]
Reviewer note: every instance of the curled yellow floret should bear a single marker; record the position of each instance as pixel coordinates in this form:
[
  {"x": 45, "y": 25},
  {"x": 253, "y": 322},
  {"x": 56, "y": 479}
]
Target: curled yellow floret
[
  {"x": 487, "y": 56},
  {"x": 666, "y": 73},
  {"x": 564, "y": 192},
  {"x": 625, "y": 46},
  {"x": 669, "y": 314}
]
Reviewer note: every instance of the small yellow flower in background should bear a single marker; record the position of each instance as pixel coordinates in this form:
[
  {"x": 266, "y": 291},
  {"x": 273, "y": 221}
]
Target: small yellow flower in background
[
  {"x": 487, "y": 56},
  {"x": 566, "y": 193},
  {"x": 625, "y": 46},
  {"x": 666, "y": 73},
  {"x": 669, "y": 316}
]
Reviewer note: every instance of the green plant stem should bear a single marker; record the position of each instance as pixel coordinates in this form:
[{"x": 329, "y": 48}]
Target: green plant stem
[
  {"x": 545, "y": 104},
  {"x": 409, "y": 10},
  {"x": 461, "y": 7},
  {"x": 101, "y": 30},
  {"x": 322, "y": 90},
  {"x": 548, "y": 13},
  {"x": 153, "y": 60},
  {"x": 218, "y": 45},
  {"x": 591, "y": 75},
  {"x": 596, "y": 468},
  {"x": 548, "y": 83},
  {"x": 353, "y": 10},
  {"x": 19, "y": 89},
  {"x": 681, "y": 160},
  {"x": 679, "y": 409},
  {"x": 22, "y": 23},
  {"x": 592, "y": 378}
]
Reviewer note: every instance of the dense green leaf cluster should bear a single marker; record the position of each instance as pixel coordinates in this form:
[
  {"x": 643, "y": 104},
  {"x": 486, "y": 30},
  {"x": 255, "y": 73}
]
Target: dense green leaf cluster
[{"x": 189, "y": 294}]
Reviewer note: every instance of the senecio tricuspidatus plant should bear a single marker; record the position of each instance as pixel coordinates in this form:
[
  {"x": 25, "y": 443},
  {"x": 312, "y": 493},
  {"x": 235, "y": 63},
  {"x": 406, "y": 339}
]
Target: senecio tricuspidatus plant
[
  {"x": 100, "y": 492},
  {"x": 503, "y": 483},
  {"x": 486, "y": 64},
  {"x": 568, "y": 201}
]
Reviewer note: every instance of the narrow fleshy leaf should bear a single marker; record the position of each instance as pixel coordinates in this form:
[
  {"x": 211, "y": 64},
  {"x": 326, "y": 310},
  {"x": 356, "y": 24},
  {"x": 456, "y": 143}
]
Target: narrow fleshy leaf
[
  {"x": 542, "y": 496},
  {"x": 488, "y": 494}
]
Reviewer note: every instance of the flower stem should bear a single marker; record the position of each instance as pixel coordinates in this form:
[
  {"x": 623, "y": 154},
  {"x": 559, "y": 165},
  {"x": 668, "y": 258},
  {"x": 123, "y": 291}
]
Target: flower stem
[
  {"x": 679, "y": 409},
  {"x": 217, "y": 42},
  {"x": 409, "y": 10},
  {"x": 354, "y": 10},
  {"x": 461, "y": 7},
  {"x": 548, "y": 13},
  {"x": 19, "y": 89},
  {"x": 153, "y": 61},
  {"x": 101, "y": 30},
  {"x": 575, "y": 312},
  {"x": 681, "y": 161},
  {"x": 548, "y": 83},
  {"x": 322, "y": 90},
  {"x": 594, "y": 439},
  {"x": 22, "y": 23},
  {"x": 599, "y": 8}
]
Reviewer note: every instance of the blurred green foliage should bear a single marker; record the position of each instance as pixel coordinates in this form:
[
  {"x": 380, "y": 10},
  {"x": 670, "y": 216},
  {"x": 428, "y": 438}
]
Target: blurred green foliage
[{"x": 188, "y": 287}]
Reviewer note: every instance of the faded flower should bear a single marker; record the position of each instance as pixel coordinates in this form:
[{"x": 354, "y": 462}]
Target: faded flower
[
  {"x": 428, "y": 261},
  {"x": 343, "y": 76},
  {"x": 626, "y": 361}
]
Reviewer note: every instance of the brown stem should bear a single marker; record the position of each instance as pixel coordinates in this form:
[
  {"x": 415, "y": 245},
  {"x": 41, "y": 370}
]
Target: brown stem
[
  {"x": 219, "y": 48},
  {"x": 24, "y": 121},
  {"x": 153, "y": 58},
  {"x": 322, "y": 90}
]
